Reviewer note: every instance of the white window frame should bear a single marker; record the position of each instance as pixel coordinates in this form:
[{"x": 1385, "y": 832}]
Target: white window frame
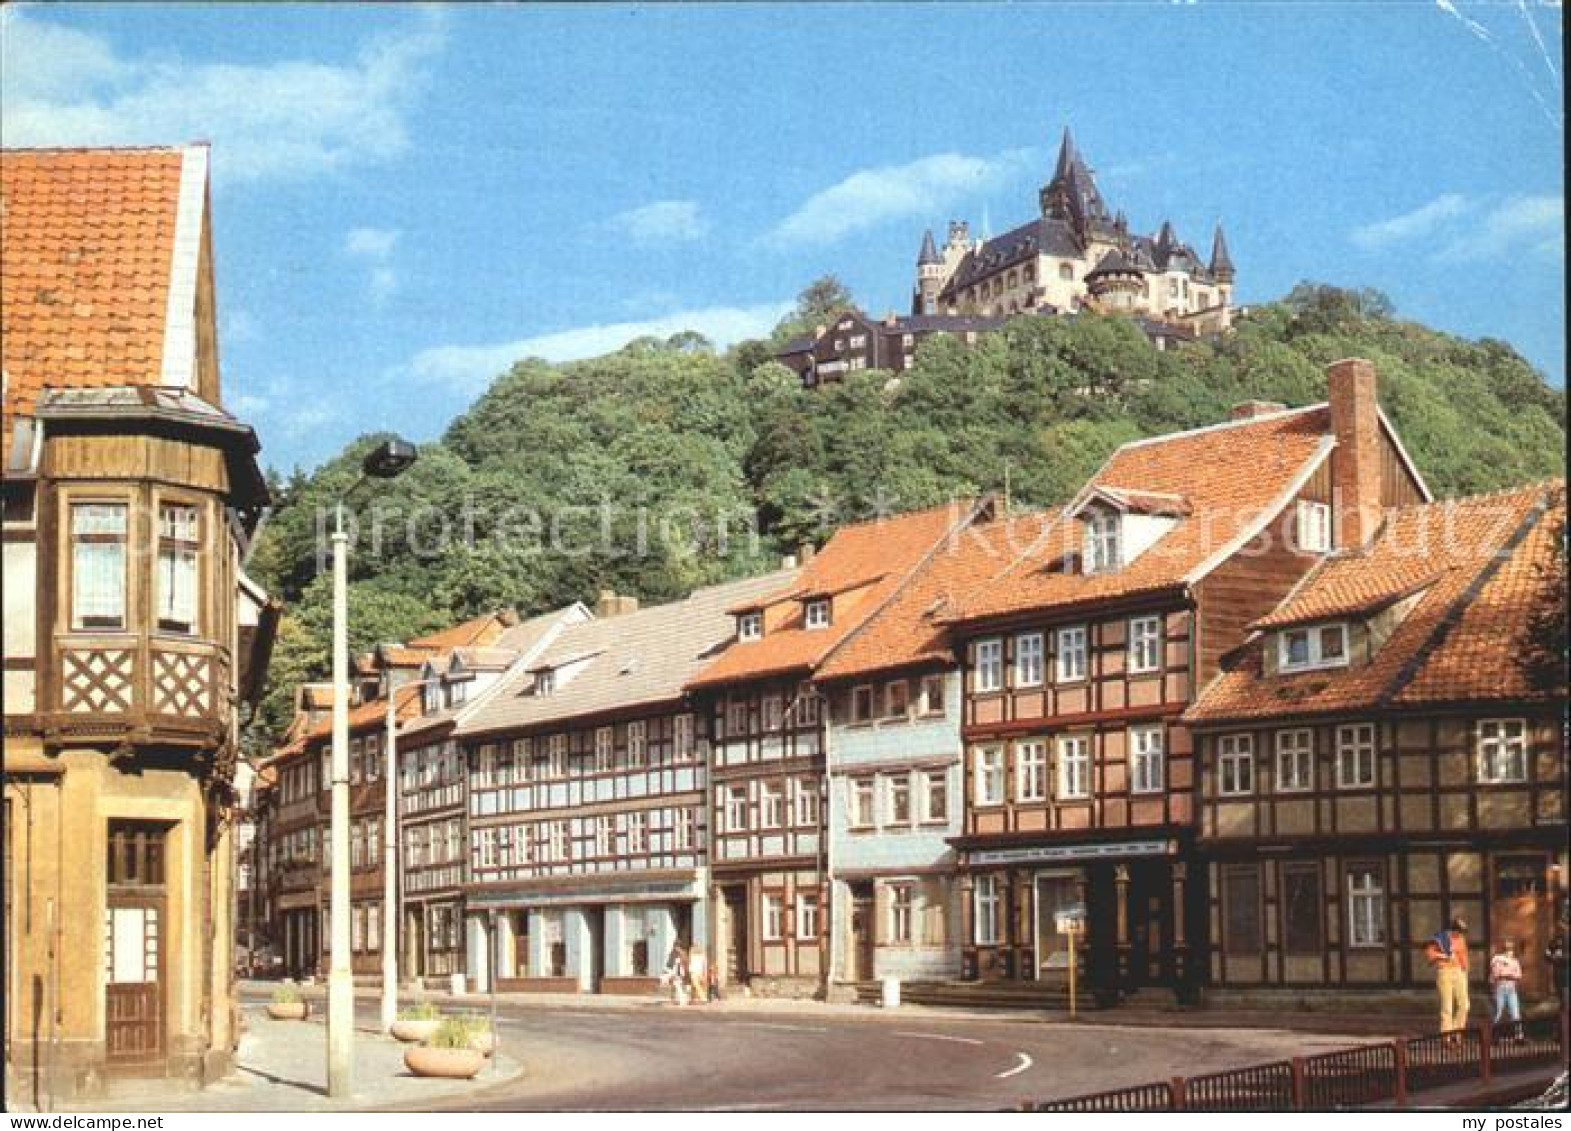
[
  {"x": 684, "y": 748},
  {"x": 988, "y": 774},
  {"x": 1031, "y": 771},
  {"x": 638, "y": 832},
  {"x": 771, "y": 805},
  {"x": 986, "y": 905},
  {"x": 1312, "y": 525},
  {"x": 605, "y": 835},
  {"x": 1295, "y": 760},
  {"x": 736, "y": 803},
  {"x": 862, "y": 803},
  {"x": 605, "y": 749},
  {"x": 989, "y": 665},
  {"x": 807, "y": 917},
  {"x": 1074, "y": 766},
  {"x": 100, "y": 550},
  {"x": 773, "y": 918},
  {"x": 637, "y": 744},
  {"x": 902, "y": 914},
  {"x": 891, "y": 713},
  {"x": 750, "y": 626},
  {"x": 894, "y": 786},
  {"x": 1069, "y": 647},
  {"x": 817, "y": 613},
  {"x": 686, "y": 829},
  {"x": 771, "y": 712},
  {"x": 1145, "y": 644},
  {"x": 1147, "y": 758},
  {"x": 1315, "y": 655},
  {"x": 933, "y": 700},
  {"x": 933, "y": 783},
  {"x": 179, "y": 567},
  {"x": 805, "y": 803},
  {"x": 1029, "y": 668},
  {"x": 1356, "y": 751},
  {"x": 1502, "y": 742},
  {"x": 1366, "y": 906},
  {"x": 1104, "y": 541},
  {"x": 1235, "y": 765}
]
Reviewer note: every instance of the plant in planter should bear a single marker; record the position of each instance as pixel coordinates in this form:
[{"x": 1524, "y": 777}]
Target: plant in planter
[
  {"x": 287, "y": 1005},
  {"x": 416, "y": 1022},
  {"x": 450, "y": 1051}
]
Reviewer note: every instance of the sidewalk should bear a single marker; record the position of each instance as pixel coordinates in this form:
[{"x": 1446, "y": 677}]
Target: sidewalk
[{"x": 282, "y": 1066}]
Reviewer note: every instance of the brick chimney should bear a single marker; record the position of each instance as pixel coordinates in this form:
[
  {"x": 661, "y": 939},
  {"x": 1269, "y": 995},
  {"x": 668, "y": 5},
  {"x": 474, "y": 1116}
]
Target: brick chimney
[
  {"x": 626, "y": 604},
  {"x": 1355, "y": 464},
  {"x": 1248, "y": 410}
]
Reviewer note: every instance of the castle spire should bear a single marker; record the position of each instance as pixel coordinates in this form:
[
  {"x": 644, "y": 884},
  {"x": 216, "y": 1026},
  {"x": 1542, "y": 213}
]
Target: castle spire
[
  {"x": 1221, "y": 261},
  {"x": 929, "y": 252},
  {"x": 1068, "y": 157}
]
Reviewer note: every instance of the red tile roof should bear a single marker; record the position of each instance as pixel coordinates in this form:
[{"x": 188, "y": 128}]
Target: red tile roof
[
  {"x": 86, "y": 253},
  {"x": 908, "y": 631},
  {"x": 874, "y": 556},
  {"x": 1226, "y": 476},
  {"x": 371, "y": 712},
  {"x": 1462, "y": 639},
  {"x": 483, "y": 629}
]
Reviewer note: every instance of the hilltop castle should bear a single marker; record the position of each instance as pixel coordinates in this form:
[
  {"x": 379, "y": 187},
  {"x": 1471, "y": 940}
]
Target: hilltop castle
[{"x": 1076, "y": 255}]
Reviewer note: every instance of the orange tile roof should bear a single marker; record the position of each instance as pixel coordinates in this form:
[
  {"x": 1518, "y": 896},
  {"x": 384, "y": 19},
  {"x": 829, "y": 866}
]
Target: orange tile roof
[
  {"x": 86, "y": 253},
  {"x": 876, "y": 556},
  {"x": 483, "y": 629},
  {"x": 1460, "y": 641},
  {"x": 372, "y": 711},
  {"x": 908, "y": 631},
  {"x": 1225, "y": 475}
]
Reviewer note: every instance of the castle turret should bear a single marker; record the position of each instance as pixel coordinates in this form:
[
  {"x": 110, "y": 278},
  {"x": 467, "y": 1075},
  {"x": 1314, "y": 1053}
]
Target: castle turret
[
  {"x": 929, "y": 276},
  {"x": 1221, "y": 261},
  {"x": 1116, "y": 282}
]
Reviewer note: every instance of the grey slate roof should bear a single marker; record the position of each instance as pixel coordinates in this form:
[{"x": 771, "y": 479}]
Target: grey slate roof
[
  {"x": 929, "y": 252},
  {"x": 637, "y": 658}
]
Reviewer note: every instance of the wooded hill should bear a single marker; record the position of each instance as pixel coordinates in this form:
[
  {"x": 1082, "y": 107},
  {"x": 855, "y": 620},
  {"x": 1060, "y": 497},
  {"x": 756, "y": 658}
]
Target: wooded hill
[{"x": 559, "y": 473}]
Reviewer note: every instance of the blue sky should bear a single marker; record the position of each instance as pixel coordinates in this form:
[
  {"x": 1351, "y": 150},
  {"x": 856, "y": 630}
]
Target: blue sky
[{"x": 406, "y": 199}]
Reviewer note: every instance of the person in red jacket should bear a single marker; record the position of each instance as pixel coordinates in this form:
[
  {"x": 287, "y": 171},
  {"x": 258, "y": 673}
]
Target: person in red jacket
[{"x": 1447, "y": 953}]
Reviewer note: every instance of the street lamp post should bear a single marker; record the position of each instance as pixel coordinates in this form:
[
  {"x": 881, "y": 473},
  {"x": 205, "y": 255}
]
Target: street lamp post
[{"x": 385, "y": 461}]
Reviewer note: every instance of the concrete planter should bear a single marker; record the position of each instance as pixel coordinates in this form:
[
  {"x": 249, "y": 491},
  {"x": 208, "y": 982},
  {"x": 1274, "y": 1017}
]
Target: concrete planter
[
  {"x": 414, "y": 1030},
  {"x": 448, "y": 1064},
  {"x": 286, "y": 1010}
]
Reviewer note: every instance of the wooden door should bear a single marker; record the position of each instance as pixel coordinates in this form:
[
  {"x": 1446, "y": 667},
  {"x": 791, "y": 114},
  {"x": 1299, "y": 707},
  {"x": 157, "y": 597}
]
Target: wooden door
[
  {"x": 862, "y": 937},
  {"x": 1521, "y": 913},
  {"x": 734, "y": 934},
  {"x": 134, "y": 938}
]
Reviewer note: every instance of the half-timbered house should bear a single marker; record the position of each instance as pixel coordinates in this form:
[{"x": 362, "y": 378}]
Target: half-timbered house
[
  {"x": 588, "y": 807},
  {"x": 1083, "y": 649},
  {"x": 1381, "y": 756},
  {"x": 130, "y": 638},
  {"x": 896, "y": 776},
  {"x": 769, "y": 845}
]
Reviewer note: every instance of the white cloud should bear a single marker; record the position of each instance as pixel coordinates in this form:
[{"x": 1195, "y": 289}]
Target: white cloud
[
  {"x": 375, "y": 246},
  {"x": 1517, "y": 225},
  {"x": 662, "y": 222},
  {"x": 290, "y": 119},
  {"x": 893, "y": 192},
  {"x": 470, "y": 369},
  {"x": 374, "y": 243},
  {"x": 1419, "y": 222}
]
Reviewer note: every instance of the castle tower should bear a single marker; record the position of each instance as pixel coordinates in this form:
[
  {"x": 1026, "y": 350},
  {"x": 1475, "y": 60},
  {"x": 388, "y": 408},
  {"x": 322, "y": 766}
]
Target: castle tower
[
  {"x": 1221, "y": 261},
  {"x": 1116, "y": 283},
  {"x": 930, "y": 276}
]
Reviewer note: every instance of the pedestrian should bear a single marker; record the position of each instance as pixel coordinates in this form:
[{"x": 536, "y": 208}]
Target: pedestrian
[
  {"x": 1505, "y": 971},
  {"x": 1447, "y": 953},
  {"x": 1555, "y": 956},
  {"x": 698, "y": 975},
  {"x": 675, "y": 974}
]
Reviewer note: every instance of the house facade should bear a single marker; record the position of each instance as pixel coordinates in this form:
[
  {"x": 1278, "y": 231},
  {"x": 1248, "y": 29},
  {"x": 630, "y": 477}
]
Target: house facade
[
  {"x": 769, "y": 729},
  {"x": 1380, "y": 758},
  {"x": 589, "y": 829},
  {"x": 1083, "y": 651},
  {"x": 853, "y": 342},
  {"x": 130, "y": 637}
]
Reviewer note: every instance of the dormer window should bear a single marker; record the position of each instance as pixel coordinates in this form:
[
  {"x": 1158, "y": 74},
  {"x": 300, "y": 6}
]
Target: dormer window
[
  {"x": 1314, "y": 527},
  {"x": 457, "y": 692},
  {"x": 431, "y": 697},
  {"x": 1318, "y": 646},
  {"x": 1103, "y": 551},
  {"x": 545, "y": 682},
  {"x": 817, "y": 614},
  {"x": 750, "y": 626}
]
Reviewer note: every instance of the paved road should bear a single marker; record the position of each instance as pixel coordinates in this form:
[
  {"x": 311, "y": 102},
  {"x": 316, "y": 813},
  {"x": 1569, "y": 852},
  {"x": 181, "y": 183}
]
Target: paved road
[{"x": 658, "y": 1057}]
